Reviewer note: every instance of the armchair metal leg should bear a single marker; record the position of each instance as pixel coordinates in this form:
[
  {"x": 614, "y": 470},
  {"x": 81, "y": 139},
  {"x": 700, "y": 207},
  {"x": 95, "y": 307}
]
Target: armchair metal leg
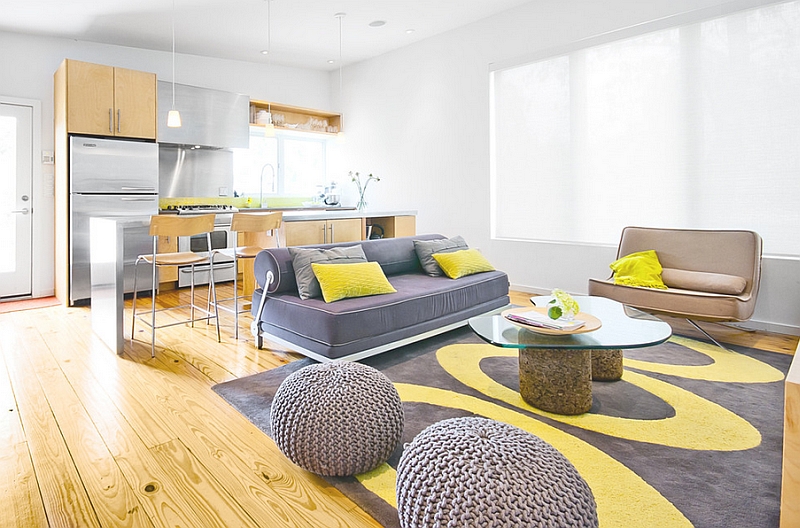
[{"x": 707, "y": 335}]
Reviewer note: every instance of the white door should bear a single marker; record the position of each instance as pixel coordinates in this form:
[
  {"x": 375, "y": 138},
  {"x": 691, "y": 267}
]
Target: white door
[{"x": 16, "y": 158}]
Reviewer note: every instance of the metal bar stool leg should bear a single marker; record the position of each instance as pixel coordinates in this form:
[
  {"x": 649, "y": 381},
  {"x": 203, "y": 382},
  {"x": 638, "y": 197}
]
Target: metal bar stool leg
[
  {"x": 235, "y": 296},
  {"x": 133, "y": 319}
]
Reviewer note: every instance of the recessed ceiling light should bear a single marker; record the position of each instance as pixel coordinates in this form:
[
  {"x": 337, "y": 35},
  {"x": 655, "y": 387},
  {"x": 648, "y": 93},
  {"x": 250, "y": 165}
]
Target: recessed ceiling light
[
  {"x": 331, "y": 61},
  {"x": 409, "y": 31},
  {"x": 377, "y": 23},
  {"x": 265, "y": 52}
]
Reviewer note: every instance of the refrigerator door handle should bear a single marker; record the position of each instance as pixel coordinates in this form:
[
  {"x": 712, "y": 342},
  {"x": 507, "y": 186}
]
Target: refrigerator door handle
[
  {"x": 139, "y": 189},
  {"x": 135, "y": 199}
]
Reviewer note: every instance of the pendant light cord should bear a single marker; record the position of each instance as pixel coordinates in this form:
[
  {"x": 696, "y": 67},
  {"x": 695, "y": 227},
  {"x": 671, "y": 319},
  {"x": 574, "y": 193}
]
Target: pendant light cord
[
  {"x": 341, "y": 15},
  {"x": 173, "y": 54}
]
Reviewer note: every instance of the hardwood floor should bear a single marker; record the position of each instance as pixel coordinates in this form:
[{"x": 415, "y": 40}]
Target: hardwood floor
[{"x": 89, "y": 438}]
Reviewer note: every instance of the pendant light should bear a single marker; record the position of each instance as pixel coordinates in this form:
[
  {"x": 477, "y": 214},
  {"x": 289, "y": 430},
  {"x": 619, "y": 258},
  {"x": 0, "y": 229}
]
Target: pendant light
[
  {"x": 340, "y": 134},
  {"x": 269, "y": 126},
  {"x": 173, "y": 117}
]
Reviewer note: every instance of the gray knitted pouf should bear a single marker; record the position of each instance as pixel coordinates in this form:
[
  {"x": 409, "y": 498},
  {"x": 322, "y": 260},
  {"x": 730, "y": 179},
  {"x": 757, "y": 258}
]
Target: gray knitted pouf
[
  {"x": 477, "y": 472},
  {"x": 337, "y": 419}
]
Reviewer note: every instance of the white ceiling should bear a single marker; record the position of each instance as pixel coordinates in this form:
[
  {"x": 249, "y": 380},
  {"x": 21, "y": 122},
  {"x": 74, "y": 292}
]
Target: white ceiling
[{"x": 305, "y": 33}]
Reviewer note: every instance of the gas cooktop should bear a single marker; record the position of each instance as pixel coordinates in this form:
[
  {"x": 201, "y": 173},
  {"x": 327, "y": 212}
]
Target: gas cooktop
[{"x": 202, "y": 208}]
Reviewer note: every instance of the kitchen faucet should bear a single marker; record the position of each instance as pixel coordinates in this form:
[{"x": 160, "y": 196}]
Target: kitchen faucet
[{"x": 261, "y": 184}]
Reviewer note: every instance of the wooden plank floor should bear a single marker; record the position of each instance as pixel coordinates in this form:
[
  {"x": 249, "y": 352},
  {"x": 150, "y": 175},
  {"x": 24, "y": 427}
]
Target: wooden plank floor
[{"x": 88, "y": 438}]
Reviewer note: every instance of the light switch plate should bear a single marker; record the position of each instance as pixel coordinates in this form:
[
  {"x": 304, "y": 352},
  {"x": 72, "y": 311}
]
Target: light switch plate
[
  {"x": 223, "y": 191},
  {"x": 48, "y": 158}
]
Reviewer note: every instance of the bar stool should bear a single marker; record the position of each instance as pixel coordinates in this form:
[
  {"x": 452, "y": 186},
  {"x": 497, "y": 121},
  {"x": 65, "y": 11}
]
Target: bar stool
[
  {"x": 255, "y": 226},
  {"x": 178, "y": 226}
]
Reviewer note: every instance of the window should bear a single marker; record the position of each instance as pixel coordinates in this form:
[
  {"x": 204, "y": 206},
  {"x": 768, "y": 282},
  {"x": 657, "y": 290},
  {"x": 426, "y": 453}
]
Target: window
[
  {"x": 287, "y": 164},
  {"x": 694, "y": 126}
]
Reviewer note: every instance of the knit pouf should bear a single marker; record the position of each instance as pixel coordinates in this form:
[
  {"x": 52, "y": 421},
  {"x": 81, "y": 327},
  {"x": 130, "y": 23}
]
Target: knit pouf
[
  {"x": 477, "y": 472},
  {"x": 337, "y": 419}
]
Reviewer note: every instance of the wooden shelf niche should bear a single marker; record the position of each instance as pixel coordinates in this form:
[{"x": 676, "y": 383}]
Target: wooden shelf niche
[{"x": 287, "y": 117}]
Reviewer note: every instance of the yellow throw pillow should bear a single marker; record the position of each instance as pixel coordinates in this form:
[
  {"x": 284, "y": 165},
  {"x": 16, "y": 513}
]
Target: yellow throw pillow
[
  {"x": 340, "y": 281},
  {"x": 461, "y": 263},
  {"x": 639, "y": 269}
]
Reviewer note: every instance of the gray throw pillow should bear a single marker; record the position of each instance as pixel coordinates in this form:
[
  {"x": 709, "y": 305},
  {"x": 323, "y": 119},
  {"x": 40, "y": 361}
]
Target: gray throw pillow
[
  {"x": 307, "y": 284},
  {"x": 426, "y": 248}
]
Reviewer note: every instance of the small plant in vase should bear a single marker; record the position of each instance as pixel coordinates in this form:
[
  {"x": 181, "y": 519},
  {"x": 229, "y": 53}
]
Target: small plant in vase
[
  {"x": 563, "y": 306},
  {"x": 362, "y": 188}
]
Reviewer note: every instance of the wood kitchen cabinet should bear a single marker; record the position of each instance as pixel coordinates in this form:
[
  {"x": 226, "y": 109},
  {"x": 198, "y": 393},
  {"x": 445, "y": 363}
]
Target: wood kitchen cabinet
[
  {"x": 395, "y": 226},
  {"x": 323, "y": 231},
  {"x": 107, "y": 101}
]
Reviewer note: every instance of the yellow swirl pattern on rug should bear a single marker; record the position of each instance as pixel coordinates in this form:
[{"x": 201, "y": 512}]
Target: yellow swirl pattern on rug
[
  {"x": 623, "y": 497},
  {"x": 381, "y": 481},
  {"x": 698, "y": 423},
  {"x": 728, "y": 367}
]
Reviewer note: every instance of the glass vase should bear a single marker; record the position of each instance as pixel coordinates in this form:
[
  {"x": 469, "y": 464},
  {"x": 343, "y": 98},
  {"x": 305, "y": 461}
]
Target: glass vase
[{"x": 362, "y": 203}]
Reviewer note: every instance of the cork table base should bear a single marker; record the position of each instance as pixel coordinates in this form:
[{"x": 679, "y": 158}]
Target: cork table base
[
  {"x": 556, "y": 380},
  {"x": 560, "y": 381},
  {"x": 606, "y": 364}
]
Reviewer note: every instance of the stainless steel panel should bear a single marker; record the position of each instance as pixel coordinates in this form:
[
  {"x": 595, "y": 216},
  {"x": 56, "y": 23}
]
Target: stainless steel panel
[
  {"x": 112, "y": 166},
  {"x": 223, "y": 272},
  {"x": 210, "y": 118},
  {"x": 187, "y": 172},
  {"x": 138, "y": 240}
]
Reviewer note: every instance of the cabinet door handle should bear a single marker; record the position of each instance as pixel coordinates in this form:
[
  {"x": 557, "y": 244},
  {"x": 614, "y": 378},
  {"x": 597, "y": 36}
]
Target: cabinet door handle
[
  {"x": 111, "y": 120},
  {"x": 119, "y": 125},
  {"x": 324, "y": 234},
  {"x": 333, "y": 239}
]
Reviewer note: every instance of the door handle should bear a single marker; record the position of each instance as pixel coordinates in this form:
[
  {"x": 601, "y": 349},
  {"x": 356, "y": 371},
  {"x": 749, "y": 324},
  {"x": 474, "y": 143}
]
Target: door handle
[
  {"x": 111, "y": 120},
  {"x": 324, "y": 234},
  {"x": 119, "y": 116},
  {"x": 22, "y": 211},
  {"x": 333, "y": 240}
]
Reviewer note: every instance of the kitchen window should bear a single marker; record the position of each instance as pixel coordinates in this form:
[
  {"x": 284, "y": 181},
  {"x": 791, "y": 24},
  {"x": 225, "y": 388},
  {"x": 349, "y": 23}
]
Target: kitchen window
[{"x": 288, "y": 164}]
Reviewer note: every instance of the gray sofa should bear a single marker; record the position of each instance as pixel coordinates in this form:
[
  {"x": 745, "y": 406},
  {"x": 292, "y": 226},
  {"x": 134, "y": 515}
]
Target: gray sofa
[{"x": 355, "y": 328}]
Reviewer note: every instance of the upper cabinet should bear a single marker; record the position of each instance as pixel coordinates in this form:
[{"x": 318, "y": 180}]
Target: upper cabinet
[
  {"x": 107, "y": 101},
  {"x": 295, "y": 118}
]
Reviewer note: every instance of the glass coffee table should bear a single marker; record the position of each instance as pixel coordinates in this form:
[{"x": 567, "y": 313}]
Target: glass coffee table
[{"x": 556, "y": 371}]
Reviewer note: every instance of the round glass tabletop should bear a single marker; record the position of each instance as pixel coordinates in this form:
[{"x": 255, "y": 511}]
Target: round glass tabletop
[{"x": 622, "y": 327}]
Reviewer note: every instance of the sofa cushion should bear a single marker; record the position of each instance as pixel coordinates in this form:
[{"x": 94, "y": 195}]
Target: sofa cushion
[
  {"x": 638, "y": 269},
  {"x": 307, "y": 284},
  {"x": 426, "y": 248},
  {"x": 421, "y": 303},
  {"x": 462, "y": 263},
  {"x": 703, "y": 281},
  {"x": 343, "y": 281}
]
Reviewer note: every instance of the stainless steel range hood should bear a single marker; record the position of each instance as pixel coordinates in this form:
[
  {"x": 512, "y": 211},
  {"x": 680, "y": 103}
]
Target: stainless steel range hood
[{"x": 211, "y": 118}]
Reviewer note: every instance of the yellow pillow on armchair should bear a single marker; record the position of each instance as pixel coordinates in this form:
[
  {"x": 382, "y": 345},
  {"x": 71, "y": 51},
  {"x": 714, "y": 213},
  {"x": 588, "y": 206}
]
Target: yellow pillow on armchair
[
  {"x": 341, "y": 281},
  {"x": 639, "y": 269}
]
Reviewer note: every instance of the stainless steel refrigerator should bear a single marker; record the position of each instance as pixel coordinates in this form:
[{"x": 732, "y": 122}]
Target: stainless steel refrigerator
[{"x": 110, "y": 177}]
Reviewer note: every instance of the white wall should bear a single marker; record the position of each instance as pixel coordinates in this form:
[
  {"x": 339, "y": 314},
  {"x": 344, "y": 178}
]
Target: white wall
[
  {"x": 27, "y": 65},
  {"x": 419, "y": 118}
]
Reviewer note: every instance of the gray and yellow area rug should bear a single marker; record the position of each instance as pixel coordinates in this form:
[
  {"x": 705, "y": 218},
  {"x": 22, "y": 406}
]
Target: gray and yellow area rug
[{"x": 691, "y": 435}]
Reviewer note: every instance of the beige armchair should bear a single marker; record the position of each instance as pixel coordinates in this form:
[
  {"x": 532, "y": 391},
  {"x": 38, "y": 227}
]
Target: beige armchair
[{"x": 699, "y": 268}]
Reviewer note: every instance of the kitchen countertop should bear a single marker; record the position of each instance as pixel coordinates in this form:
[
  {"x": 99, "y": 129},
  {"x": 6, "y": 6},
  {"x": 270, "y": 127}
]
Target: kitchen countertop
[{"x": 300, "y": 214}]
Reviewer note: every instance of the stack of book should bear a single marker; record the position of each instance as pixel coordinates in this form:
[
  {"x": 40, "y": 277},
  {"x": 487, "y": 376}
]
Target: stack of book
[{"x": 540, "y": 320}]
